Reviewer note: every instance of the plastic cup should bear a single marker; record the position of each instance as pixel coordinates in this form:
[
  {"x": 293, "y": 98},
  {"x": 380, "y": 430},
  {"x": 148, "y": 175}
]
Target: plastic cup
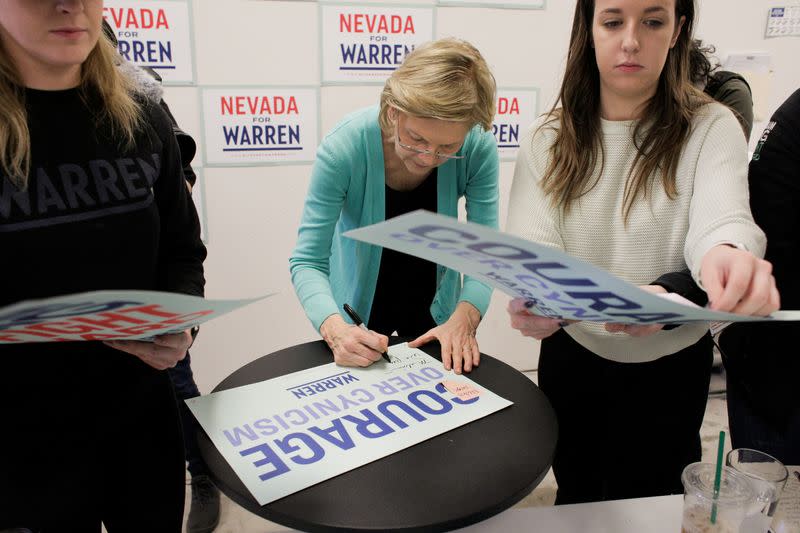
[
  {"x": 768, "y": 476},
  {"x": 736, "y": 496}
]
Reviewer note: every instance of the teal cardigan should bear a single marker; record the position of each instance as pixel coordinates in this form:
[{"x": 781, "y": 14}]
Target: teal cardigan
[{"x": 347, "y": 191}]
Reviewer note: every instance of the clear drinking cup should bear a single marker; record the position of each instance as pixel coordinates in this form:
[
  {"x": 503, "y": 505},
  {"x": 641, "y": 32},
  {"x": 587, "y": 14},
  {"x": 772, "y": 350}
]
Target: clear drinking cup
[
  {"x": 736, "y": 496},
  {"x": 768, "y": 476}
]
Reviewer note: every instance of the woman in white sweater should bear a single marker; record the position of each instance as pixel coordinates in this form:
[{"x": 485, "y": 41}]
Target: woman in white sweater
[{"x": 638, "y": 173}]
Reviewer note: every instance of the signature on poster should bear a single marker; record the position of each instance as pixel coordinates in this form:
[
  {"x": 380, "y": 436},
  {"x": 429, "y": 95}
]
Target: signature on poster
[{"x": 405, "y": 358}]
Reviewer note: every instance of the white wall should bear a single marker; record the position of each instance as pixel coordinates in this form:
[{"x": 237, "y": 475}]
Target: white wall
[{"x": 253, "y": 212}]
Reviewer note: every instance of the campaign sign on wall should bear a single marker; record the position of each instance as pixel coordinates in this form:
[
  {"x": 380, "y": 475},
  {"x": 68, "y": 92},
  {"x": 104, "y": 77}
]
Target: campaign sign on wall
[
  {"x": 288, "y": 433},
  {"x": 516, "y": 4},
  {"x": 105, "y": 315},
  {"x": 516, "y": 111},
  {"x": 259, "y": 125},
  {"x": 155, "y": 34},
  {"x": 366, "y": 43},
  {"x": 559, "y": 285}
]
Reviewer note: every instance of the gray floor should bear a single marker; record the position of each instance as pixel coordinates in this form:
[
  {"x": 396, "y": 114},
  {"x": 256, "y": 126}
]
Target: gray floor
[{"x": 234, "y": 519}]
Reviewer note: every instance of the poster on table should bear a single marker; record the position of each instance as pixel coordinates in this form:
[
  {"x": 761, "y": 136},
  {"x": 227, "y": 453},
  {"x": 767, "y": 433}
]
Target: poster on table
[
  {"x": 107, "y": 315},
  {"x": 516, "y": 111},
  {"x": 259, "y": 125},
  {"x": 366, "y": 43},
  {"x": 154, "y": 34},
  {"x": 511, "y": 4},
  {"x": 558, "y": 285},
  {"x": 288, "y": 433}
]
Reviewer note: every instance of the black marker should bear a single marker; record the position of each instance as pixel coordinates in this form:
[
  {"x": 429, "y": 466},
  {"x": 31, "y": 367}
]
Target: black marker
[{"x": 360, "y": 323}]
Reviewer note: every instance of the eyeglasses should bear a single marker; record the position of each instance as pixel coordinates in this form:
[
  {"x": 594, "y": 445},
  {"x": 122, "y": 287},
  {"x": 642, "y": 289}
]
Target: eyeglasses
[{"x": 437, "y": 155}]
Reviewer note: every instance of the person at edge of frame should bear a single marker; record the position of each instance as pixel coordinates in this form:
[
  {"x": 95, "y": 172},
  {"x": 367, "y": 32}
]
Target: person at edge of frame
[
  {"x": 99, "y": 201},
  {"x": 426, "y": 146},
  {"x": 638, "y": 172}
]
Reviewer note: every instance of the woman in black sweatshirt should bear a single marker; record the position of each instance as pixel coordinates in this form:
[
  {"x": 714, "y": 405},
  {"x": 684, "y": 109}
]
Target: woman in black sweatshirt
[{"x": 91, "y": 197}]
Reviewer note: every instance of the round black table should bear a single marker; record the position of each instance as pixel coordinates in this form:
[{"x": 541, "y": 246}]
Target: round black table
[{"x": 452, "y": 480}]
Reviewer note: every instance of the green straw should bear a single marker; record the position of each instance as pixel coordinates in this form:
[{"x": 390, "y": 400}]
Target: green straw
[{"x": 717, "y": 477}]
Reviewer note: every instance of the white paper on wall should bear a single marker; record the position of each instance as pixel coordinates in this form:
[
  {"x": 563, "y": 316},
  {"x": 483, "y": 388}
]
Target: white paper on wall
[
  {"x": 366, "y": 43},
  {"x": 155, "y": 34},
  {"x": 783, "y": 21},
  {"x": 516, "y": 111},
  {"x": 260, "y": 125},
  {"x": 516, "y": 4}
]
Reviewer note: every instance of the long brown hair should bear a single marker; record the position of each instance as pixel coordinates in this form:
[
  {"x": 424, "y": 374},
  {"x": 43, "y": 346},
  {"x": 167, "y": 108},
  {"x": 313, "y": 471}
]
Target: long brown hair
[
  {"x": 659, "y": 137},
  {"x": 99, "y": 77}
]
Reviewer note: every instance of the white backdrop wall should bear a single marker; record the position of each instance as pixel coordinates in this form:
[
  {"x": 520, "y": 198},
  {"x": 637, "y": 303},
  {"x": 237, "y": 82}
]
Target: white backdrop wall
[{"x": 252, "y": 213}]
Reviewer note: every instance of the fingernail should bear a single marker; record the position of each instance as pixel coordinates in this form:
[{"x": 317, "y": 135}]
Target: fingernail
[{"x": 529, "y": 303}]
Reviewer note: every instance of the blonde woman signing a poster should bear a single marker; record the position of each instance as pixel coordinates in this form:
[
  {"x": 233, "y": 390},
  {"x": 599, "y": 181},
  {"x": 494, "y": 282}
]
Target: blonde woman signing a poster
[
  {"x": 426, "y": 146},
  {"x": 641, "y": 174},
  {"x": 93, "y": 197}
]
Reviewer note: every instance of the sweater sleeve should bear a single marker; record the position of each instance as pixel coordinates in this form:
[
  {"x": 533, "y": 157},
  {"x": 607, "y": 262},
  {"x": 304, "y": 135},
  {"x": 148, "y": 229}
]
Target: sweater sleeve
[
  {"x": 531, "y": 214},
  {"x": 482, "y": 200},
  {"x": 309, "y": 263},
  {"x": 181, "y": 252},
  {"x": 720, "y": 207}
]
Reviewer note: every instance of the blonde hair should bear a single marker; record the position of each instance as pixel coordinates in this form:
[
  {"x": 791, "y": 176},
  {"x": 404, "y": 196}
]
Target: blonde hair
[
  {"x": 100, "y": 77},
  {"x": 446, "y": 79}
]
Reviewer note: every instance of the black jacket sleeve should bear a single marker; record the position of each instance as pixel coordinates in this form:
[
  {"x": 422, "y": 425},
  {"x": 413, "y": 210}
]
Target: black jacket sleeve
[
  {"x": 181, "y": 252},
  {"x": 186, "y": 145},
  {"x": 683, "y": 284},
  {"x": 775, "y": 196}
]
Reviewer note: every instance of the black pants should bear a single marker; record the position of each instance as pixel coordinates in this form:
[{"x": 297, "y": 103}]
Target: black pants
[
  {"x": 183, "y": 382},
  {"x": 626, "y": 430},
  {"x": 89, "y": 438},
  {"x": 762, "y": 366}
]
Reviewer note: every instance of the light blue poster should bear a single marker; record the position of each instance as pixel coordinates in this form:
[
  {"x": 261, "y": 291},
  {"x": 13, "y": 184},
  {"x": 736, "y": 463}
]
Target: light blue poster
[
  {"x": 288, "y": 433},
  {"x": 107, "y": 315},
  {"x": 558, "y": 284}
]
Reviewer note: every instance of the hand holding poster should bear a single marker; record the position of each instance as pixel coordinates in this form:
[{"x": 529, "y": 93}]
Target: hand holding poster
[
  {"x": 559, "y": 285},
  {"x": 107, "y": 315},
  {"x": 288, "y": 433}
]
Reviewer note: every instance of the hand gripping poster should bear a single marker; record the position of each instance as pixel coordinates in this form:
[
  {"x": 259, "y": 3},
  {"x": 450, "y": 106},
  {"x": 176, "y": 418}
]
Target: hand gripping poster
[{"x": 288, "y": 433}]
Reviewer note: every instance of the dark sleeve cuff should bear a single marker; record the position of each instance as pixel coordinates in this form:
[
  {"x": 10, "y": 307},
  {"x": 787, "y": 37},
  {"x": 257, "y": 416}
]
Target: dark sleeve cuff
[{"x": 683, "y": 284}]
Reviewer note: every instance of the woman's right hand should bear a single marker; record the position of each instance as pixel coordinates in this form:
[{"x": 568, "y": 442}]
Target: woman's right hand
[
  {"x": 351, "y": 345},
  {"x": 530, "y": 325}
]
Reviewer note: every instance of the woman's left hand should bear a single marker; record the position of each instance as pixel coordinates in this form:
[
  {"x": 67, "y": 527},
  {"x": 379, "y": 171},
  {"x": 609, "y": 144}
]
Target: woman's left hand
[
  {"x": 457, "y": 337},
  {"x": 163, "y": 352}
]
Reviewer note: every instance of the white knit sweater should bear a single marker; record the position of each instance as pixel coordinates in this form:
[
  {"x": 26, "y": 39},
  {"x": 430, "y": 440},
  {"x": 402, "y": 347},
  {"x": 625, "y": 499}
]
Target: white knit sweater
[{"x": 661, "y": 235}]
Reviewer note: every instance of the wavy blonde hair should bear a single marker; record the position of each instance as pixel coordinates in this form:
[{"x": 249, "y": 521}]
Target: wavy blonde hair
[
  {"x": 446, "y": 79},
  {"x": 100, "y": 77}
]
